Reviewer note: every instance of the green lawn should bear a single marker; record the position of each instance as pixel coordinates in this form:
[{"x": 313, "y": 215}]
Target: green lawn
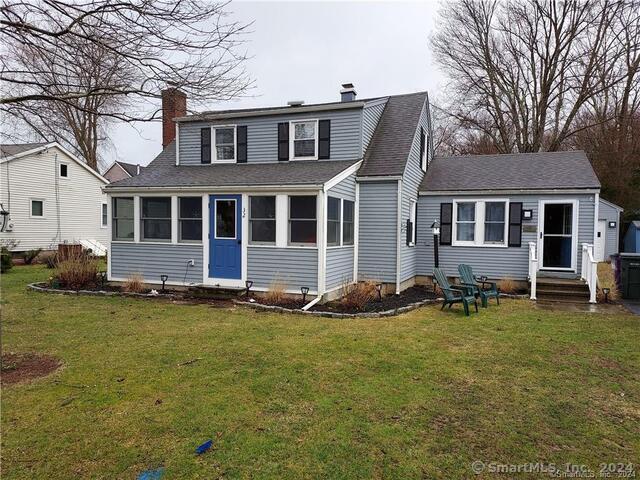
[{"x": 419, "y": 395}]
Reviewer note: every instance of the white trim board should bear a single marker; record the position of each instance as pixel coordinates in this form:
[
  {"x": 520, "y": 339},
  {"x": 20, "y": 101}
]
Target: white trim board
[{"x": 574, "y": 233}]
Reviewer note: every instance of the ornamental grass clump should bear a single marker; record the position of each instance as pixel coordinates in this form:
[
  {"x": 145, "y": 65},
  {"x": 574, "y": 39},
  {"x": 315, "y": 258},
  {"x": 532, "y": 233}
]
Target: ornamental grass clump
[
  {"x": 77, "y": 271},
  {"x": 357, "y": 295},
  {"x": 134, "y": 284}
]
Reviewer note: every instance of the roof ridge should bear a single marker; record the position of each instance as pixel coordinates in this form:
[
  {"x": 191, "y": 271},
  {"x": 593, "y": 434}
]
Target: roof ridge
[{"x": 515, "y": 154}]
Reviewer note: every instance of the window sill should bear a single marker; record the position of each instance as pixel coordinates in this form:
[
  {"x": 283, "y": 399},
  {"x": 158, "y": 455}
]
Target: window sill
[
  {"x": 334, "y": 247},
  {"x": 296, "y": 159},
  {"x": 481, "y": 245}
]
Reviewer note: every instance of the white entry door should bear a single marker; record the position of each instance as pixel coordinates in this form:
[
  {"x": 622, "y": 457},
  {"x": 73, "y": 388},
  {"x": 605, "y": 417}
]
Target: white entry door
[{"x": 600, "y": 241}]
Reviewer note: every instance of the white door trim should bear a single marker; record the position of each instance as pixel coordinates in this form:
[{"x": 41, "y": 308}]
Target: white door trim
[{"x": 574, "y": 233}]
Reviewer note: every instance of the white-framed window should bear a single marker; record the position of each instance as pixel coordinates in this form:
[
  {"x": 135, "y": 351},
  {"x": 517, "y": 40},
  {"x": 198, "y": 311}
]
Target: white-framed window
[
  {"x": 224, "y": 142},
  {"x": 348, "y": 215},
  {"x": 64, "y": 170},
  {"x": 262, "y": 220},
  {"x": 334, "y": 220},
  {"x": 104, "y": 216},
  {"x": 413, "y": 213},
  {"x": 36, "y": 208},
  {"x": 303, "y": 140},
  {"x": 340, "y": 222},
  {"x": 155, "y": 219},
  {"x": 122, "y": 218},
  {"x": 302, "y": 220},
  {"x": 190, "y": 219},
  {"x": 480, "y": 222}
]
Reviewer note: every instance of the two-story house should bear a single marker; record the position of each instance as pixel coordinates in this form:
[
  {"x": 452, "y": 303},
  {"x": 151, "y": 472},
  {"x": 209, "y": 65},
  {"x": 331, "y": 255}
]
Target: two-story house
[{"x": 316, "y": 196}]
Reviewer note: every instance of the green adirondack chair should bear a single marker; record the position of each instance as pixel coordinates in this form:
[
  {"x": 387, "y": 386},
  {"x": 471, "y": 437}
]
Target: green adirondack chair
[
  {"x": 467, "y": 278},
  {"x": 454, "y": 293}
]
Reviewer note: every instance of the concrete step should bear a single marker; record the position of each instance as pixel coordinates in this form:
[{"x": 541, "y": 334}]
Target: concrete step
[
  {"x": 577, "y": 294},
  {"x": 562, "y": 290}
]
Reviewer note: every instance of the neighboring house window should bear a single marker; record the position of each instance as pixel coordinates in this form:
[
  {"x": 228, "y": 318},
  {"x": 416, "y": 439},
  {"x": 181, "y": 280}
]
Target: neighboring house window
[
  {"x": 155, "y": 218},
  {"x": 262, "y": 220},
  {"x": 190, "y": 219},
  {"x": 304, "y": 140},
  {"x": 302, "y": 219},
  {"x": 480, "y": 222},
  {"x": 333, "y": 221},
  {"x": 37, "y": 208},
  {"x": 225, "y": 142},
  {"x": 104, "y": 216},
  {"x": 413, "y": 212},
  {"x": 347, "y": 222},
  {"x": 64, "y": 170},
  {"x": 122, "y": 218}
]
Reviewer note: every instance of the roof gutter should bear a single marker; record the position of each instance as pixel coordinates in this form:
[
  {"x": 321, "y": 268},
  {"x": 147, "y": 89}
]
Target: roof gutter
[
  {"x": 211, "y": 188},
  {"x": 425, "y": 193},
  {"x": 262, "y": 113}
]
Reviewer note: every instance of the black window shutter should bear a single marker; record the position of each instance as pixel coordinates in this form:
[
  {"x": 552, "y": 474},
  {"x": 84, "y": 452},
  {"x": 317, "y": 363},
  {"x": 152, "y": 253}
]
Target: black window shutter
[
  {"x": 324, "y": 139},
  {"x": 283, "y": 141},
  {"x": 242, "y": 144},
  {"x": 422, "y": 144},
  {"x": 446, "y": 217},
  {"x": 205, "y": 145},
  {"x": 515, "y": 224},
  {"x": 409, "y": 231}
]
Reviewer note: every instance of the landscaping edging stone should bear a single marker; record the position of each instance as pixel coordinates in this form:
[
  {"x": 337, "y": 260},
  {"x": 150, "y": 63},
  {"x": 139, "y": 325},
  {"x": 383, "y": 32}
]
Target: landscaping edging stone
[
  {"x": 386, "y": 313},
  {"x": 39, "y": 287}
]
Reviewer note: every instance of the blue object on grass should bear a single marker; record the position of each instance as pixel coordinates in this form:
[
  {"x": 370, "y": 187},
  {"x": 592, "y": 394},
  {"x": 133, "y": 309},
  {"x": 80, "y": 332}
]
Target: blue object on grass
[
  {"x": 204, "y": 447},
  {"x": 152, "y": 474}
]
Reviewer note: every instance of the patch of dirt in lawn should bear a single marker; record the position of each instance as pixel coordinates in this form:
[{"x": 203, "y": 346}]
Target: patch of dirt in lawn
[{"x": 23, "y": 367}]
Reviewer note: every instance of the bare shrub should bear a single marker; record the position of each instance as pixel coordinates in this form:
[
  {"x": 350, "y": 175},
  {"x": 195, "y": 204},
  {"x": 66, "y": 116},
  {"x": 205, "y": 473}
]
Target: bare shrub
[
  {"x": 30, "y": 255},
  {"x": 507, "y": 285},
  {"x": 277, "y": 292},
  {"x": 50, "y": 259},
  {"x": 607, "y": 279},
  {"x": 357, "y": 295},
  {"x": 134, "y": 283},
  {"x": 77, "y": 271}
]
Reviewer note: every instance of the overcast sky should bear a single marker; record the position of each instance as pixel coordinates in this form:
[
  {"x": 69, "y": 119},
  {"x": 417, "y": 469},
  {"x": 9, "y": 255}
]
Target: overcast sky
[{"x": 306, "y": 50}]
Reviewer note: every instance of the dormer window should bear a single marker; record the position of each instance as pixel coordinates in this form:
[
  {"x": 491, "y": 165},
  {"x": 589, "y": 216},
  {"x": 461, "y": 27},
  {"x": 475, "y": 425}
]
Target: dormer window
[
  {"x": 304, "y": 140},
  {"x": 225, "y": 142}
]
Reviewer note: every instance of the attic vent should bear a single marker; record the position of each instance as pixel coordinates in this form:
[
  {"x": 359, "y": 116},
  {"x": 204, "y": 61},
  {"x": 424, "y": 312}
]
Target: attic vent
[{"x": 295, "y": 103}]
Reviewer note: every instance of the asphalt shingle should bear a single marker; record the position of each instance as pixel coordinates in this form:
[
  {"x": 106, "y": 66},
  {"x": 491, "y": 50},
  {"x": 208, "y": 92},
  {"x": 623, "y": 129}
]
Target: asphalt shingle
[
  {"x": 390, "y": 145},
  {"x": 522, "y": 171},
  {"x": 163, "y": 172},
  {"x": 11, "y": 149}
]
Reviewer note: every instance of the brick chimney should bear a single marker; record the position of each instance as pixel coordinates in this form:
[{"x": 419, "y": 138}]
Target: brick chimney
[{"x": 174, "y": 104}]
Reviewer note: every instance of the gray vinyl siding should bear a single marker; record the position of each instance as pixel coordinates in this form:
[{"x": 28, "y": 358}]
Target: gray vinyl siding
[
  {"x": 345, "y": 189},
  {"x": 151, "y": 261},
  {"x": 262, "y": 135},
  {"x": 339, "y": 266},
  {"x": 377, "y": 233},
  {"x": 610, "y": 214},
  {"x": 294, "y": 267},
  {"x": 411, "y": 180},
  {"x": 371, "y": 114},
  {"x": 494, "y": 262}
]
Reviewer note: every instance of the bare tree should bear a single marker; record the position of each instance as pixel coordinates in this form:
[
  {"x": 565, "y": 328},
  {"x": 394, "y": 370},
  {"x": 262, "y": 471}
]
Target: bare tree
[
  {"x": 67, "y": 67},
  {"x": 79, "y": 124},
  {"x": 522, "y": 70}
]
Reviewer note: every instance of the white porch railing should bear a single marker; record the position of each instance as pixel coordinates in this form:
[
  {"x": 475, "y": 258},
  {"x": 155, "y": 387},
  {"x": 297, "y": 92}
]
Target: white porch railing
[
  {"x": 533, "y": 268},
  {"x": 589, "y": 271}
]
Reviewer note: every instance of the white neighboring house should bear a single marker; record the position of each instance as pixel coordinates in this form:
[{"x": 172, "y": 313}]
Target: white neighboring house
[{"x": 49, "y": 196}]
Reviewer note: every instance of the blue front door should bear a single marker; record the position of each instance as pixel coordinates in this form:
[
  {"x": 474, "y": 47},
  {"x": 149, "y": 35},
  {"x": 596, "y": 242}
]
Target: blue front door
[{"x": 225, "y": 236}]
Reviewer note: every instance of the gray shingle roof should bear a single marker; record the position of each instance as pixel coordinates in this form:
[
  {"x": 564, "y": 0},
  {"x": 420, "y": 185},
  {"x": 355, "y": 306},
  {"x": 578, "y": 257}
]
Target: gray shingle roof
[
  {"x": 389, "y": 148},
  {"x": 163, "y": 172},
  {"x": 11, "y": 149},
  {"x": 523, "y": 171},
  {"x": 130, "y": 168}
]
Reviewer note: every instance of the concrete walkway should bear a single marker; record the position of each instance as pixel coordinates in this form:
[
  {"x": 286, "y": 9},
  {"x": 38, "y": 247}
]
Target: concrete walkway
[
  {"x": 606, "y": 308},
  {"x": 632, "y": 305}
]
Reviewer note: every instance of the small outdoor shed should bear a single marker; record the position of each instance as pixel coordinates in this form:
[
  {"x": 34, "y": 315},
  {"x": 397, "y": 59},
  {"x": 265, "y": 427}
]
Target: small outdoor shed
[{"x": 632, "y": 238}]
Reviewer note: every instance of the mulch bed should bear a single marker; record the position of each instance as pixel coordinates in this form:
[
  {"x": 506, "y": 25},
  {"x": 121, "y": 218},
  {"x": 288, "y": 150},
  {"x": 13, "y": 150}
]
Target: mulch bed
[
  {"x": 409, "y": 296},
  {"x": 23, "y": 367}
]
